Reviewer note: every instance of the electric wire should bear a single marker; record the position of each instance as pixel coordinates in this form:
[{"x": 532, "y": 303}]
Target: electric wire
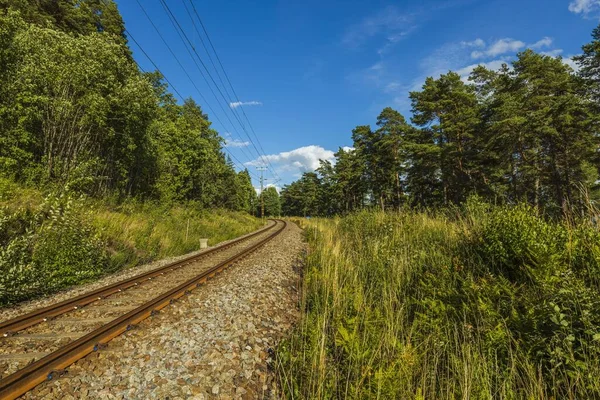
[
  {"x": 205, "y": 48},
  {"x": 129, "y": 35},
  {"x": 191, "y": 80},
  {"x": 229, "y": 81},
  {"x": 181, "y": 32}
]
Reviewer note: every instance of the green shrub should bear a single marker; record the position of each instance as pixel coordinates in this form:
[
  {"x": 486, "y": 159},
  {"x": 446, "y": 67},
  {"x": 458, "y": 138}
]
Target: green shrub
[
  {"x": 519, "y": 244},
  {"x": 48, "y": 250},
  {"x": 583, "y": 250},
  {"x": 60, "y": 241}
]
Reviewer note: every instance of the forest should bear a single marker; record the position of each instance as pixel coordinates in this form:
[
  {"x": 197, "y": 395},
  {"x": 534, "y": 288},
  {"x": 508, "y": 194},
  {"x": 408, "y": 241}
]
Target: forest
[
  {"x": 76, "y": 112},
  {"x": 100, "y": 164},
  {"x": 526, "y": 133}
]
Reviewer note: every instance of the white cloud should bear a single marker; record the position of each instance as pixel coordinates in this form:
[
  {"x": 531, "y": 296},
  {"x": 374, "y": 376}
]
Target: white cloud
[
  {"x": 491, "y": 65},
  {"x": 236, "y": 143},
  {"x": 552, "y": 53},
  {"x": 231, "y": 142},
  {"x": 571, "y": 63},
  {"x": 583, "y": 6},
  {"x": 394, "y": 38},
  {"x": 506, "y": 45},
  {"x": 501, "y": 46},
  {"x": 545, "y": 42},
  {"x": 278, "y": 188},
  {"x": 475, "y": 43},
  {"x": 302, "y": 159},
  {"x": 245, "y": 103}
]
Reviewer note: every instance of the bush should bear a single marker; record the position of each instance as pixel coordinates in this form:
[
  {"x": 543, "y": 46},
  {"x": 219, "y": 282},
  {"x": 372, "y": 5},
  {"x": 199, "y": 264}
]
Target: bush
[
  {"x": 60, "y": 241},
  {"x": 518, "y": 244},
  {"x": 48, "y": 250}
]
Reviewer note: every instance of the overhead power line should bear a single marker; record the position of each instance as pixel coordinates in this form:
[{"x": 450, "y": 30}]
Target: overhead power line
[
  {"x": 230, "y": 84},
  {"x": 185, "y": 39},
  {"x": 216, "y": 116},
  {"x": 129, "y": 35}
]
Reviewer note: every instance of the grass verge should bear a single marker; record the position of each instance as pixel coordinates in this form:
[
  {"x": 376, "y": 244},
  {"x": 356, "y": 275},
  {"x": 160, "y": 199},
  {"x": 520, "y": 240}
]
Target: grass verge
[
  {"x": 483, "y": 303},
  {"x": 54, "y": 242}
]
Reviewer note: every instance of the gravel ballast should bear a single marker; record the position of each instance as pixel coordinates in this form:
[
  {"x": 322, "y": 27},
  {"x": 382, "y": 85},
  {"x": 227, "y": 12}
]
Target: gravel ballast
[
  {"x": 7, "y": 313},
  {"x": 215, "y": 343}
]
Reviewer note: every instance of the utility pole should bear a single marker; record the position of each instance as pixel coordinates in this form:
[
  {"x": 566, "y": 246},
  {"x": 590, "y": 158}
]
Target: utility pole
[{"x": 262, "y": 197}]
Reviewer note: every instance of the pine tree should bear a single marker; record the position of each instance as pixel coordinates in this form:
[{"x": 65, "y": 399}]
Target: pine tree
[{"x": 448, "y": 107}]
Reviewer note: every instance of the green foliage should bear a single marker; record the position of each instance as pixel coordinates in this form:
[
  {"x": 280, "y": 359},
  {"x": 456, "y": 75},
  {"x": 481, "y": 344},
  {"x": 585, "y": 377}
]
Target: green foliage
[
  {"x": 484, "y": 302},
  {"x": 71, "y": 16},
  {"x": 76, "y": 112},
  {"x": 77, "y": 116},
  {"x": 518, "y": 243},
  {"x": 140, "y": 232},
  {"x": 523, "y": 134},
  {"x": 60, "y": 241},
  {"x": 47, "y": 250},
  {"x": 272, "y": 204}
]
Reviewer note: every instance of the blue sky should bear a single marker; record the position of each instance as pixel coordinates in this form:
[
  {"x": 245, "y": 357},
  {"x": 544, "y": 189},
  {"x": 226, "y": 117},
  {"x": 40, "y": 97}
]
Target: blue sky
[{"x": 312, "y": 70}]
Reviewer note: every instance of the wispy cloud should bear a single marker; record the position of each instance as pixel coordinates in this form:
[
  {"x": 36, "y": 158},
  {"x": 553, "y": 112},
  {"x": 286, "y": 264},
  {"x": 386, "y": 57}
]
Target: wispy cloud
[
  {"x": 571, "y": 63},
  {"x": 237, "y": 104},
  {"x": 584, "y": 7},
  {"x": 391, "y": 40},
  {"x": 231, "y": 142},
  {"x": 508, "y": 45},
  {"x": 457, "y": 57},
  {"x": 268, "y": 185},
  {"x": 474, "y": 43},
  {"x": 552, "y": 53},
  {"x": 545, "y": 42},
  {"x": 389, "y": 22},
  {"x": 493, "y": 65},
  {"x": 501, "y": 46}
]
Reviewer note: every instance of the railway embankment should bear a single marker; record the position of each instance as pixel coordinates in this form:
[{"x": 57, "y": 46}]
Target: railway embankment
[{"x": 216, "y": 341}]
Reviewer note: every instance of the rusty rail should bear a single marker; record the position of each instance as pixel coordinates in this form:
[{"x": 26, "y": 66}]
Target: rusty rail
[
  {"x": 35, "y": 373},
  {"x": 24, "y": 321}
]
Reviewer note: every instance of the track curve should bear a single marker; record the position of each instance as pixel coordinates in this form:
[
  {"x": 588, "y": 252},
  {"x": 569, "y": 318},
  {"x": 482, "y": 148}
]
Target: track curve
[{"x": 129, "y": 301}]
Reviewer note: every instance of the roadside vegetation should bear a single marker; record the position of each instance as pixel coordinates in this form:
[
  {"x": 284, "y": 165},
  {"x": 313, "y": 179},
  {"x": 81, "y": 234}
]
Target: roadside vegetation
[
  {"x": 461, "y": 258},
  {"x": 479, "y": 302},
  {"x": 54, "y": 241}
]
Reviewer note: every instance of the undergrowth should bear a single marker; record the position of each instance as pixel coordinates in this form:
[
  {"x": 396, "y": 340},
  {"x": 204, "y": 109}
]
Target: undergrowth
[
  {"x": 54, "y": 242},
  {"x": 484, "y": 303}
]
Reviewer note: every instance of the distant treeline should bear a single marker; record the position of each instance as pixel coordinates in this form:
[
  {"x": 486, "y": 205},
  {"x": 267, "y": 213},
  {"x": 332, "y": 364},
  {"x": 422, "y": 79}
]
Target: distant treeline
[
  {"x": 76, "y": 112},
  {"x": 525, "y": 133}
]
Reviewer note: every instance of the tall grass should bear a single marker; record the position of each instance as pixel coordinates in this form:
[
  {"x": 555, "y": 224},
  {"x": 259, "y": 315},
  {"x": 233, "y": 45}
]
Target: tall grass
[
  {"x": 489, "y": 302},
  {"x": 53, "y": 242},
  {"x": 139, "y": 232}
]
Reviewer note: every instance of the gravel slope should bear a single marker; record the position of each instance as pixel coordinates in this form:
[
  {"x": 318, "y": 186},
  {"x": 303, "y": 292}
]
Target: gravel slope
[{"x": 212, "y": 344}]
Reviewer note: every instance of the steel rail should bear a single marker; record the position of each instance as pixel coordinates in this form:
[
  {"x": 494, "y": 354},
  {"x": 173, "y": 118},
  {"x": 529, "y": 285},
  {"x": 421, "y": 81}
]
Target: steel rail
[
  {"x": 21, "y": 322},
  {"x": 35, "y": 373}
]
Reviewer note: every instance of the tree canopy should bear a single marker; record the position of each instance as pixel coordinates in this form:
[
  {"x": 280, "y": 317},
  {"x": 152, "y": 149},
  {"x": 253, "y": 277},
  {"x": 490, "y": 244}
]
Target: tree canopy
[
  {"x": 527, "y": 132},
  {"x": 76, "y": 112}
]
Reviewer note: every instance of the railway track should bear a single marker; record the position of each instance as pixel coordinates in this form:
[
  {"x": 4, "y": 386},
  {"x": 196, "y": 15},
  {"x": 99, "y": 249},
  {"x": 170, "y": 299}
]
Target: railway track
[{"x": 39, "y": 345}]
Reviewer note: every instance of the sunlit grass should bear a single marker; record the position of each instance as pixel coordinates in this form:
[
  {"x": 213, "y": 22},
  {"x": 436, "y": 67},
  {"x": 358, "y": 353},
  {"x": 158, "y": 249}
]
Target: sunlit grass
[
  {"x": 437, "y": 306},
  {"x": 146, "y": 232},
  {"x": 48, "y": 243}
]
